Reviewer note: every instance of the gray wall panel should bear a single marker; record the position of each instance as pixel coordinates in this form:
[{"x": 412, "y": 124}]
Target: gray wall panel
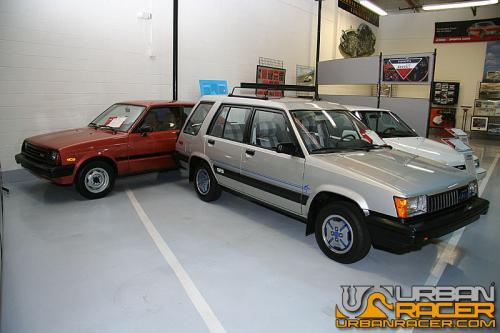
[
  {"x": 413, "y": 111},
  {"x": 351, "y": 100},
  {"x": 349, "y": 71}
]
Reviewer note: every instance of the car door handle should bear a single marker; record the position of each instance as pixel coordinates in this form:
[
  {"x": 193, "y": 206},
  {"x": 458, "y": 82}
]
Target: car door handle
[
  {"x": 250, "y": 152},
  {"x": 211, "y": 142}
]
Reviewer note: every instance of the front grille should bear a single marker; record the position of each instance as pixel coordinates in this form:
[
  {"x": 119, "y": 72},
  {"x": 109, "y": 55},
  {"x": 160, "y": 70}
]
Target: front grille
[
  {"x": 460, "y": 167},
  {"x": 38, "y": 154},
  {"x": 447, "y": 199}
]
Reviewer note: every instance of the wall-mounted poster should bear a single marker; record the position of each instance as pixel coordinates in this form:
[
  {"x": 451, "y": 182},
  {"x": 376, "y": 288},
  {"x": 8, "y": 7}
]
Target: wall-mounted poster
[
  {"x": 413, "y": 70},
  {"x": 445, "y": 93},
  {"x": 467, "y": 31},
  {"x": 304, "y": 76},
  {"x": 442, "y": 118},
  {"x": 357, "y": 42},
  {"x": 479, "y": 124},
  {"x": 213, "y": 87},
  {"x": 270, "y": 75},
  {"x": 492, "y": 62}
]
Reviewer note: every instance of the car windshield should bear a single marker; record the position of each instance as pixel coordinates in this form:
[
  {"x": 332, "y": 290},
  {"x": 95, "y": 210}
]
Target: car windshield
[
  {"x": 386, "y": 124},
  {"x": 326, "y": 131},
  {"x": 118, "y": 117}
]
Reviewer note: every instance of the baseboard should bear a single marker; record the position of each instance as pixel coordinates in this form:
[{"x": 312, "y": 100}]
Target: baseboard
[{"x": 17, "y": 176}]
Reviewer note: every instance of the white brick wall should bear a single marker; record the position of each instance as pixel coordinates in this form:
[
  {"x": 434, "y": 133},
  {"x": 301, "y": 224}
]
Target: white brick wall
[{"x": 64, "y": 61}]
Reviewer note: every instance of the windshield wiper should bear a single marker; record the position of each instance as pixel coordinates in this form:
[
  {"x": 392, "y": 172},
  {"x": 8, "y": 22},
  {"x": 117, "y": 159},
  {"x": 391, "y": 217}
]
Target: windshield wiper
[
  {"x": 370, "y": 147},
  {"x": 93, "y": 125},
  {"x": 108, "y": 128}
]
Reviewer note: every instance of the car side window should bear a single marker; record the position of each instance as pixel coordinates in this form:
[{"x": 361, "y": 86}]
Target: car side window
[
  {"x": 194, "y": 123},
  {"x": 163, "y": 119},
  {"x": 230, "y": 123},
  {"x": 269, "y": 129}
]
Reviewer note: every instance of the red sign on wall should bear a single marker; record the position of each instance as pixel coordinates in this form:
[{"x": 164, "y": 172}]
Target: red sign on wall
[{"x": 467, "y": 31}]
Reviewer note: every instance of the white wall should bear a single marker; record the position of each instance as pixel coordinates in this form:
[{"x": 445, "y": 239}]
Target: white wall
[
  {"x": 64, "y": 61},
  {"x": 462, "y": 62}
]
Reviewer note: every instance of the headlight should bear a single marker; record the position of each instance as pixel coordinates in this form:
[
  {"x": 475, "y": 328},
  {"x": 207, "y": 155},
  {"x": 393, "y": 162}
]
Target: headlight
[
  {"x": 25, "y": 145},
  {"x": 476, "y": 163},
  {"x": 408, "y": 207},
  {"x": 54, "y": 156},
  {"x": 473, "y": 189}
]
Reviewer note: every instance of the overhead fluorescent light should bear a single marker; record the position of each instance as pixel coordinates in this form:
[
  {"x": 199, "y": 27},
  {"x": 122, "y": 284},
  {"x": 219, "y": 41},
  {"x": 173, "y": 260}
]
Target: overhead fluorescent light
[
  {"x": 374, "y": 8},
  {"x": 463, "y": 4}
]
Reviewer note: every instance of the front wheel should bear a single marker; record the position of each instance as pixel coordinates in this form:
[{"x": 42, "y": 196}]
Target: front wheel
[
  {"x": 205, "y": 184},
  {"x": 95, "y": 180},
  {"x": 341, "y": 233}
]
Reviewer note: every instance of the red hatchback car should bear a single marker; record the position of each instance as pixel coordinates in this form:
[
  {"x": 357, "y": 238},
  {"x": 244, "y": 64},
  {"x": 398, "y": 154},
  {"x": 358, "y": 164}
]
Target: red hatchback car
[{"x": 127, "y": 138}]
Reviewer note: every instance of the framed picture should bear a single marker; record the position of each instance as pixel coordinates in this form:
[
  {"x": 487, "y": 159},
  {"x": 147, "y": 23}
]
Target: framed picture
[
  {"x": 445, "y": 93},
  {"x": 479, "y": 124}
]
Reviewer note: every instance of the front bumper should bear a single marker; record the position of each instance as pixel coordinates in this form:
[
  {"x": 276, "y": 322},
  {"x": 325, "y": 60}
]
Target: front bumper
[
  {"x": 401, "y": 236},
  {"x": 480, "y": 173},
  {"x": 44, "y": 170}
]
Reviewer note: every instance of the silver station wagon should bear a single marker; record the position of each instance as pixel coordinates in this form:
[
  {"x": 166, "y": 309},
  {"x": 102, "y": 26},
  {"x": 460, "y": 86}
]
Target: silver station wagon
[{"x": 315, "y": 161}]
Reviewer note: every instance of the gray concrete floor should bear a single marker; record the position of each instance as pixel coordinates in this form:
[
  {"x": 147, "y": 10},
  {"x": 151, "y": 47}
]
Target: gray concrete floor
[{"x": 72, "y": 265}]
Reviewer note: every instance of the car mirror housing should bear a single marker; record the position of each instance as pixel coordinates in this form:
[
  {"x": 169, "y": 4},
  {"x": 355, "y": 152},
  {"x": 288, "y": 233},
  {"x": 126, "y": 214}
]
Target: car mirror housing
[
  {"x": 145, "y": 129},
  {"x": 288, "y": 148}
]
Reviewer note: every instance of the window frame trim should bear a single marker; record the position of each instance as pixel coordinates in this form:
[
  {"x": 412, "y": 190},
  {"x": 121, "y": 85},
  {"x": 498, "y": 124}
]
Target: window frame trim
[{"x": 183, "y": 129}]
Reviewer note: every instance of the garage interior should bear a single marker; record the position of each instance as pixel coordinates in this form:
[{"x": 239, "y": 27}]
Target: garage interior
[{"x": 151, "y": 256}]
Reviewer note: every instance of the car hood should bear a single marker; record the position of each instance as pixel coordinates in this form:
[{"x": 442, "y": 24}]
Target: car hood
[
  {"x": 406, "y": 173},
  {"x": 427, "y": 148},
  {"x": 71, "y": 137}
]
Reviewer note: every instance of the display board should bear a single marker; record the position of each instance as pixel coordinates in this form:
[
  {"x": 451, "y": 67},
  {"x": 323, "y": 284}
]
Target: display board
[
  {"x": 445, "y": 93},
  {"x": 213, "y": 87},
  {"x": 407, "y": 69},
  {"x": 356, "y": 9},
  {"x": 270, "y": 75},
  {"x": 467, "y": 31}
]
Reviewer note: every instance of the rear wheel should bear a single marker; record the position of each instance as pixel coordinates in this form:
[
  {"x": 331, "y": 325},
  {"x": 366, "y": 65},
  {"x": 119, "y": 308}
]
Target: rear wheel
[
  {"x": 341, "y": 233},
  {"x": 95, "y": 180},
  {"x": 205, "y": 184}
]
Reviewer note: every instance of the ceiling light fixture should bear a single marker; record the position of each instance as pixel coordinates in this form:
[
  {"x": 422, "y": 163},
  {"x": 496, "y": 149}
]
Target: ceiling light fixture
[
  {"x": 374, "y": 8},
  {"x": 464, "y": 4}
]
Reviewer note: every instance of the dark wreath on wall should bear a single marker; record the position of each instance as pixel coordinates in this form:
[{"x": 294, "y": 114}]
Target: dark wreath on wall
[{"x": 357, "y": 42}]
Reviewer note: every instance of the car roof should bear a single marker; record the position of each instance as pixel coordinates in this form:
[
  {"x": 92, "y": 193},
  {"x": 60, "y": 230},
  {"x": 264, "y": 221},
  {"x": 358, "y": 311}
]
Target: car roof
[
  {"x": 288, "y": 103},
  {"x": 149, "y": 103},
  {"x": 363, "y": 108}
]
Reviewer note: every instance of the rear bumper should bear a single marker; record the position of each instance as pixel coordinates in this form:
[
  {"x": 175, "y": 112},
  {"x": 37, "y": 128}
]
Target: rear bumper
[
  {"x": 401, "y": 236},
  {"x": 44, "y": 170}
]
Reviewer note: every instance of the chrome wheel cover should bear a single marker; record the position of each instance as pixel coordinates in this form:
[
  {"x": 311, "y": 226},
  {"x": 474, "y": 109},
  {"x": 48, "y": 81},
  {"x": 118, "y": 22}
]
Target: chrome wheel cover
[
  {"x": 337, "y": 234},
  {"x": 203, "y": 181},
  {"x": 96, "y": 180}
]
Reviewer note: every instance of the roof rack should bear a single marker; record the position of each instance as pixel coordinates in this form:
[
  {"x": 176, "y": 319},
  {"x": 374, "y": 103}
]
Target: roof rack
[{"x": 267, "y": 87}]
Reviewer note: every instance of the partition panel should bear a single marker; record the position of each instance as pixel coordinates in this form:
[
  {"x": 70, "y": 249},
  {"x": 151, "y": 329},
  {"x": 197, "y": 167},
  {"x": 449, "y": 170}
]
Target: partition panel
[
  {"x": 364, "y": 70},
  {"x": 351, "y": 100},
  {"x": 414, "y": 111}
]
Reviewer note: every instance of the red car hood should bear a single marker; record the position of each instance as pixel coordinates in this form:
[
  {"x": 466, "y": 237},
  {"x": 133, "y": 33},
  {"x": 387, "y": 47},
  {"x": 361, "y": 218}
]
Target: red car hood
[{"x": 61, "y": 139}]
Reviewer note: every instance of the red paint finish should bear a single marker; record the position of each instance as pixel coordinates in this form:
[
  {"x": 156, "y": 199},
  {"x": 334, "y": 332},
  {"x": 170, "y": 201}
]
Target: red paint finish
[{"x": 129, "y": 152}]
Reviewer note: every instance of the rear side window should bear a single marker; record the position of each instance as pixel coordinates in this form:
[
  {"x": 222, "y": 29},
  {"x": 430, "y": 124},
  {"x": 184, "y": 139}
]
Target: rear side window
[
  {"x": 194, "y": 123},
  {"x": 230, "y": 123}
]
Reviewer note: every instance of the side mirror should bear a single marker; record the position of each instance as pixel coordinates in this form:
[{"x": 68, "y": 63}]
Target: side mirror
[
  {"x": 145, "y": 129},
  {"x": 288, "y": 148}
]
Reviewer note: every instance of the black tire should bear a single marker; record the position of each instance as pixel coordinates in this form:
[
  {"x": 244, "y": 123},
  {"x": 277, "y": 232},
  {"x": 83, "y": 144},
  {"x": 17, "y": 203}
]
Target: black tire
[
  {"x": 349, "y": 237},
  {"x": 211, "y": 193},
  {"x": 103, "y": 173}
]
